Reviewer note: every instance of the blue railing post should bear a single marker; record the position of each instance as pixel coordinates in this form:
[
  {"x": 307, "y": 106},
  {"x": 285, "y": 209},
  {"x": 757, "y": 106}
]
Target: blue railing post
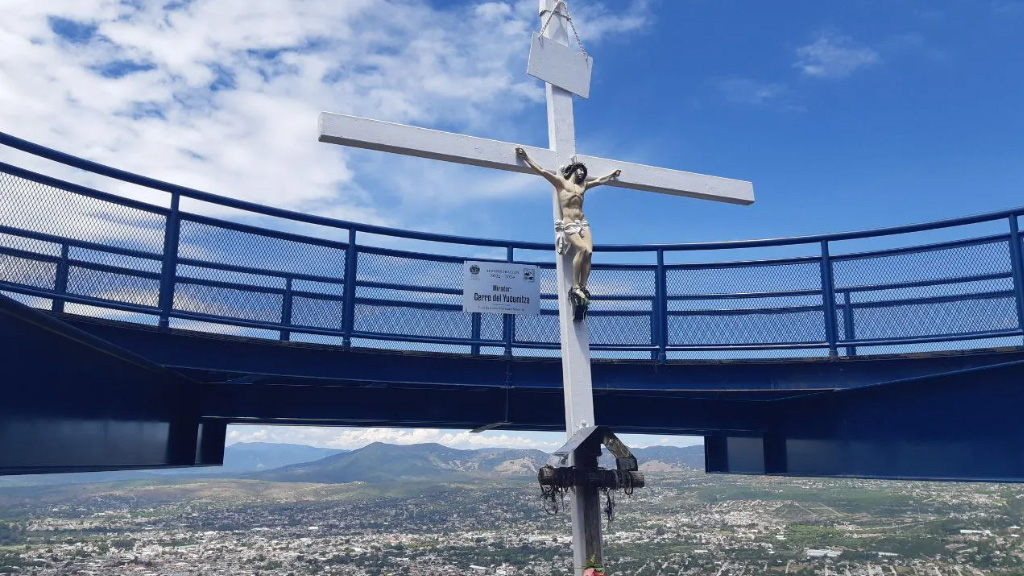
[
  {"x": 849, "y": 333},
  {"x": 508, "y": 321},
  {"x": 474, "y": 322},
  {"x": 659, "y": 312},
  {"x": 1017, "y": 266},
  {"x": 828, "y": 299},
  {"x": 169, "y": 269},
  {"x": 348, "y": 313},
  {"x": 60, "y": 281},
  {"x": 286, "y": 310}
]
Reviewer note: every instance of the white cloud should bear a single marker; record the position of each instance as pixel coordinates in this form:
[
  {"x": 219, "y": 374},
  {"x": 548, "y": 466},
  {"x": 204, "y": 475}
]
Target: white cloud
[
  {"x": 353, "y": 438},
  {"x": 223, "y": 95},
  {"x": 833, "y": 55},
  {"x": 1008, "y": 7},
  {"x": 747, "y": 91}
]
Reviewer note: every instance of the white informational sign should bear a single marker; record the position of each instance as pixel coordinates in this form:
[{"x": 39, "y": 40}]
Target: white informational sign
[
  {"x": 500, "y": 287},
  {"x": 560, "y": 65}
]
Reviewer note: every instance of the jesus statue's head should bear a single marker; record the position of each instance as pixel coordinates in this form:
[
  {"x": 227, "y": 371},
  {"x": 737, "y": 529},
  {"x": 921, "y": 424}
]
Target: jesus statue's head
[{"x": 577, "y": 170}]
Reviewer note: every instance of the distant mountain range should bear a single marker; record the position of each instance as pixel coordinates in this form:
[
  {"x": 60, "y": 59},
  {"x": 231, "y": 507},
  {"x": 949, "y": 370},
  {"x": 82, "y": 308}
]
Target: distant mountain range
[
  {"x": 385, "y": 462},
  {"x": 374, "y": 463},
  {"x": 239, "y": 459},
  {"x": 255, "y": 456}
]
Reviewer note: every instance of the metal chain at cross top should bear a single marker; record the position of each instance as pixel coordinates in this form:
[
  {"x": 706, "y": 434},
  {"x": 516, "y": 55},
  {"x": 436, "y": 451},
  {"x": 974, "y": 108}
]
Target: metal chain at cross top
[{"x": 565, "y": 13}]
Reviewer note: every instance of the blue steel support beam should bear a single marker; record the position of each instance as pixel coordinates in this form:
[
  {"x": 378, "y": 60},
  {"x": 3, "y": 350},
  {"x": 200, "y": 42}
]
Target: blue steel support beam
[
  {"x": 849, "y": 330},
  {"x": 508, "y": 321},
  {"x": 828, "y": 299},
  {"x": 60, "y": 282},
  {"x": 659, "y": 311},
  {"x": 962, "y": 425},
  {"x": 349, "y": 305},
  {"x": 172, "y": 231},
  {"x": 286, "y": 310},
  {"x": 1017, "y": 266},
  {"x": 474, "y": 321},
  {"x": 75, "y": 402}
]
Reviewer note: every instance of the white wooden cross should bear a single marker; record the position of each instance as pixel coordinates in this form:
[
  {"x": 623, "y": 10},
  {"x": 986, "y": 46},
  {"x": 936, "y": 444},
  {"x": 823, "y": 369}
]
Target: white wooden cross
[{"x": 575, "y": 339}]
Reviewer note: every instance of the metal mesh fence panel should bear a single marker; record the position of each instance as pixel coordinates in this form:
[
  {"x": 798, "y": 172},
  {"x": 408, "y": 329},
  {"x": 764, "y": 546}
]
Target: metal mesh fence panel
[
  {"x": 492, "y": 327},
  {"x": 536, "y": 352},
  {"x": 398, "y": 320},
  {"x": 400, "y": 297},
  {"x": 29, "y": 205},
  {"x": 31, "y": 301},
  {"x": 317, "y": 339},
  {"x": 619, "y": 329},
  {"x": 960, "y": 288},
  {"x": 926, "y": 264},
  {"x": 756, "y": 303},
  {"x": 27, "y": 272},
  {"x": 223, "y": 245},
  {"x": 228, "y": 302},
  {"x": 718, "y": 329},
  {"x": 929, "y": 318},
  {"x": 128, "y": 263},
  {"x": 105, "y": 285},
  {"x": 744, "y": 278},
  {"x": 27, "y": 244},
  {"x": 409, "y": 346},
  {"x": 763, "y": 354},
  {"x": 225, "y": 329},
  {"x": 423, "y": 299},
  {"x": 542, "y": 328},
  {"x": 317, "y": 312},
  {"x": 409, "y": 271},
  {"x": 110, "y": 314}
]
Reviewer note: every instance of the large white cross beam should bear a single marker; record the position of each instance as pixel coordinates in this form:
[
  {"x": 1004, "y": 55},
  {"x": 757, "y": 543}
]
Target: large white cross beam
[{"x": 437, "y": 145}]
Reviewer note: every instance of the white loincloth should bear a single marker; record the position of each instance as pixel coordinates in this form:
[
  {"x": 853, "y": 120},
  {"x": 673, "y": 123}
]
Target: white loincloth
[{"x": 565, "y": 229}]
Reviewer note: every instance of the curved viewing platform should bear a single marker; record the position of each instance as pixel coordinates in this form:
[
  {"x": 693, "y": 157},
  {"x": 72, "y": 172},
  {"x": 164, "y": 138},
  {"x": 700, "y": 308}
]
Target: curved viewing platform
[{"x": 152, "y": 253}]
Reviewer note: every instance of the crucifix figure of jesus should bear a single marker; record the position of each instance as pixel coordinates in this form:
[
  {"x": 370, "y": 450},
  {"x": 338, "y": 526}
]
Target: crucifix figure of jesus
[
  {"x": 572, "y": 226},
  {"x": 561, "y": 151}
]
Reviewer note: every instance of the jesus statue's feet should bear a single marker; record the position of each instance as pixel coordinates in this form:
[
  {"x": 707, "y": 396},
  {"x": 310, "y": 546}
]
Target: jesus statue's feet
[{"x": 581, "y": 294}]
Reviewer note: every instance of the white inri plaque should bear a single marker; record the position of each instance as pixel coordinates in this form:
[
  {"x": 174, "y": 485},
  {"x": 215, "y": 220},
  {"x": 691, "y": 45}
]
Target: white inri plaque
[
  {"x": 560, "y": 65},
  {"x": 500, "y": 287}
]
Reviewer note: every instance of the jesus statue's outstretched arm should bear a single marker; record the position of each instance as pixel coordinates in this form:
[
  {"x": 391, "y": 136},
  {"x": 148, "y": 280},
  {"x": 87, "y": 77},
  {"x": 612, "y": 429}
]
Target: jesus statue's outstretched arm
[
  {"x": 603, "y": 179},
  {"x": 550, "y": 176}
]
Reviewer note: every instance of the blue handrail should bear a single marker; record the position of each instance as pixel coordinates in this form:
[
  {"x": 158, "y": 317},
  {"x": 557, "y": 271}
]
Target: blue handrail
[
  {"x": 125, "y": 176},
  {"x": 957, "y": 294}
]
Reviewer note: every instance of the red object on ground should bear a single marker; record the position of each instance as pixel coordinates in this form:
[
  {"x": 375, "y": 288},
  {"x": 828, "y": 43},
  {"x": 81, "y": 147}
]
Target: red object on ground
[{"x": 592, "y": 572}]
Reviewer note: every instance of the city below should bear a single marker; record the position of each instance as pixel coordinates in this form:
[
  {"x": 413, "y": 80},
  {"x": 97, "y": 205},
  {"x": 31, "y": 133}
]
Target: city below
[{"x": 426, "y": 509}]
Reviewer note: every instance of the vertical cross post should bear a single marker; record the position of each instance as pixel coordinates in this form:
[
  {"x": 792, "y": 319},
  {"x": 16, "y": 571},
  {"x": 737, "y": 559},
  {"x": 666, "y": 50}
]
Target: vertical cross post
[{"x": 575, "y": 339}]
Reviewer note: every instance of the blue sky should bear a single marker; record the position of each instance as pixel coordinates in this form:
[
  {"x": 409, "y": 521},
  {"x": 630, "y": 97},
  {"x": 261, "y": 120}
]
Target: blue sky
[{"x": 845, "y": 115}]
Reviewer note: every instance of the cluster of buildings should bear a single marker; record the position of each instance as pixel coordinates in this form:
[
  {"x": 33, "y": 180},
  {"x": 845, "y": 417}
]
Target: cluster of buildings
[{"x": 681, "y": 525}]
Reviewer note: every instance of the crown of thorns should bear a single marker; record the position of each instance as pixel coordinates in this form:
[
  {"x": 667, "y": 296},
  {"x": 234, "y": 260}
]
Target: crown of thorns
[{"x": 571, "y": 168}]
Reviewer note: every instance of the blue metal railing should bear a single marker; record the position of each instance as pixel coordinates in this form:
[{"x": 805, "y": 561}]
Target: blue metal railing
[{"x": 79, "y": 250}]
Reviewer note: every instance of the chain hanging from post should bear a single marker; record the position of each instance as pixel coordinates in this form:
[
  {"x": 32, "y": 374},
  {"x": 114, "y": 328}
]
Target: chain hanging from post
[
  {"x": 565, "y": 14},
  {"x": 555, "y": 483},
  {"x": 609, "y": 506}
]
